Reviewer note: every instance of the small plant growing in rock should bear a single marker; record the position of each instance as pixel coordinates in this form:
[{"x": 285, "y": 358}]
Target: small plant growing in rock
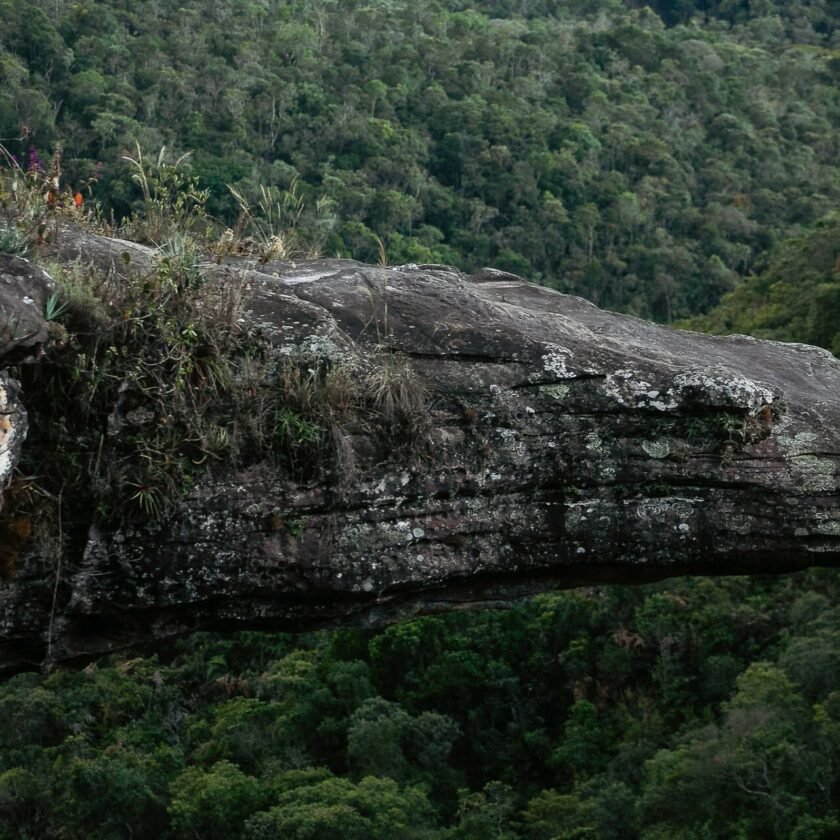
[
  {"x": 270, "y": 229},
  {"x": 398, "y": 398},
  {"x": 12, "y": 240},
  {"x": 172, "y": 200}
]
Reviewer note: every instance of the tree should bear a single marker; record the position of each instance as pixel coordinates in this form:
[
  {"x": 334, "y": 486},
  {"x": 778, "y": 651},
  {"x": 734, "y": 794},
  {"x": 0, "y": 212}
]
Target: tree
[
  {"x": 488, "y": 814},
  {"x": 338, "y": 809},
  {"x": 215, "y": 803},
  {"x": 760, "y": 769}
]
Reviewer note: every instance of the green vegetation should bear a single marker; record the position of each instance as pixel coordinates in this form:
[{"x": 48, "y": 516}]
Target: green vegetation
[
  {"x": 797, "y": 298},
  {"x": 649, "y": 160},
  {"x": 151, "y": 378},
  {"x": 150, "y": 382},
  {"x": 704, "y": 708},
  {"x": 146, "y": 376},
  {"x": 644, "y": 162}
]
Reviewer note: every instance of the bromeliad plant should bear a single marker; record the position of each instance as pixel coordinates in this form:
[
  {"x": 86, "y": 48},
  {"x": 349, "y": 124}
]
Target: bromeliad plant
[{"x": 25, "y": 200}]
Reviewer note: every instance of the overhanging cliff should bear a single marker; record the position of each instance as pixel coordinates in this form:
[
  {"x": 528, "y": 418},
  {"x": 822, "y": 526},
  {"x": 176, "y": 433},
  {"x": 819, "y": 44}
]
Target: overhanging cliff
[{"x": 495, "y": 439}]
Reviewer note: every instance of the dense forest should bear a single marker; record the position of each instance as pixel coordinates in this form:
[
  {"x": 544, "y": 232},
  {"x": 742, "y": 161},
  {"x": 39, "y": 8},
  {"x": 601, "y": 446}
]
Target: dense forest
[
  {"x": 697, "y": 709},
  {"x": 644, "y": 162},
  {"x": 675, "y": 160}
]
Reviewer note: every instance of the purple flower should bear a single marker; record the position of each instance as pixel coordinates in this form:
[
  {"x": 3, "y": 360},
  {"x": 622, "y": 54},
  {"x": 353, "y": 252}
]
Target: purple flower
[{"x": 34, "y": 163}]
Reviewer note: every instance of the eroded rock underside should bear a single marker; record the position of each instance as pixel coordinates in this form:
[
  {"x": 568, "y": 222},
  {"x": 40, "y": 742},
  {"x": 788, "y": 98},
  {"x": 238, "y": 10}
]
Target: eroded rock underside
[{"x": 558, "y": 445}]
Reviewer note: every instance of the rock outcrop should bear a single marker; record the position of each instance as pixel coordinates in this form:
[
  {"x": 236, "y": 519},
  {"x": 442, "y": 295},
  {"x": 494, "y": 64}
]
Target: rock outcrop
[
  {"x": 24, "y": 291},
  {"x": 551, "y": 444}
]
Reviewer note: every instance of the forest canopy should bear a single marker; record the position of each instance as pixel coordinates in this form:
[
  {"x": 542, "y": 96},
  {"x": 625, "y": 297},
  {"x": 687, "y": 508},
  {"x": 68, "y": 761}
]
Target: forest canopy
[
  {"x": 645, "y": 161},
  {"x": 696, "y": 709}
]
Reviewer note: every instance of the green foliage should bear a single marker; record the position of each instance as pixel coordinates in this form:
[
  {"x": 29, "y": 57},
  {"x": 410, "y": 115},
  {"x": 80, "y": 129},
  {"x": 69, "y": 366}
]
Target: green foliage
[
  {"x": 150, "y": 378},
  {"x": 151, "y": 359},
  {"x": 687, "y": 709},
  {"x": 338, "y": 809},
  {"x": 107, "y": 795},
  {"x": 273, "y": 229},
  {"x": 214, "y": 803},
  {"x": 384, "y": 740},
  {"x": 487, "y": 813},
  {"x": 12, "y": 240},
  {"x": 586, "y": 744},
  {"x": 645, "y": 159},
  {"x": 762, "y": 767},
  {"x": 649, "y": 160},
  {"x": 171, "y": 199},
  {"x": 797, "y": 298},
  {"x": 550, "y": 815}
]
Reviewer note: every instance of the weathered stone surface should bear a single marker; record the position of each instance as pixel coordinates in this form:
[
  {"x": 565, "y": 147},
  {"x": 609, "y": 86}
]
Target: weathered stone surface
[
  {"x": 12, "y": 429},
  {"x": 24, "y": 290},
  {"x": 558, "y": 445}
]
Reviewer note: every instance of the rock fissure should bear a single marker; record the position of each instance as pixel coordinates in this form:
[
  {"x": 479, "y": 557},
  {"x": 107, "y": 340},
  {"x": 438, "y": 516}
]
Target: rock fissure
[{"x": 455, "y": 356}]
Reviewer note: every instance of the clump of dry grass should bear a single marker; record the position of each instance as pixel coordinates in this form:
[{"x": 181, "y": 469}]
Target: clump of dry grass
[{"x": 398, "y": 398}]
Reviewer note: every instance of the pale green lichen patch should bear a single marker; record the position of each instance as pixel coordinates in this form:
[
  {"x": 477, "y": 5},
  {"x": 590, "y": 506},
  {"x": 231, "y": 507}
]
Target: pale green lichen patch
[
  {"x": 799, "y": 444},
  {"x": 629, "y": 388},
  {"x": 657, "y": 448},
  {"x": 827, "y": 524},
  {"x": 594, "y": 443},
  {"x": 819, "y": 474},
  {"x": 719, "y": 387},
  {"x": 714, "y": 386},
  {"x": 677, "y": 508},
  {"x": 555, "y": 392},
  {"x": 315, "y": 348},
  {"x": 556, "y": 361}
]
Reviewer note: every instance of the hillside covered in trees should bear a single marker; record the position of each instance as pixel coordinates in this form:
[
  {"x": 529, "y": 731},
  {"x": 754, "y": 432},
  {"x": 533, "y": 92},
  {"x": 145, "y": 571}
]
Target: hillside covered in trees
[
  {"x": 644, "y": 161},
  {"x": 654, "y": 158},
  {"x": 697, "y": 709}
]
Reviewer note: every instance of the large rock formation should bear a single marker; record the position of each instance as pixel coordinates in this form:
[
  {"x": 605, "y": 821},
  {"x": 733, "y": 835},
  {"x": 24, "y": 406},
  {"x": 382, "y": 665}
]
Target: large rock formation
[{"x": 545, "y": 443}]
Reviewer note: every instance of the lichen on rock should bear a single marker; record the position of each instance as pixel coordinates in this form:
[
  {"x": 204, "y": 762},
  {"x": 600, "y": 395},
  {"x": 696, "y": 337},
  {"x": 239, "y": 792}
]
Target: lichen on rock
[
  {"x": 13, "y": 426},
  {"x": 716, "y": 386}
]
